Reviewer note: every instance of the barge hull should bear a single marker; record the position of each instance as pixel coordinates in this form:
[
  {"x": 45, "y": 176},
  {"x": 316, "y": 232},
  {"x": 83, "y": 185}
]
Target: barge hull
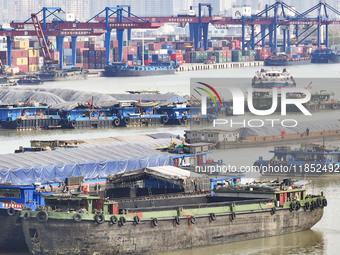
[
  {"x": 124, "y": 73},
  {"x": 11, "y": 235},
  {"x": 88, "y": 237}
]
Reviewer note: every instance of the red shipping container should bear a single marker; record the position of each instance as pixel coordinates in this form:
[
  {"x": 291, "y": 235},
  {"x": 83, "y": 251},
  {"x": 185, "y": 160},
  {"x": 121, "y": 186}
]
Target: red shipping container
[
  {"x": 80, "y": 44},
  {"x": 86, "y": 65},
  {"x": 33, "y": 61},
  {"x": 19, "y": 53},
  {"x": 67, "y": 45},
  {"x": 176, "y": 56},
  {"x": 146, "y": 62},
  {"x": 130, "y": 63}
]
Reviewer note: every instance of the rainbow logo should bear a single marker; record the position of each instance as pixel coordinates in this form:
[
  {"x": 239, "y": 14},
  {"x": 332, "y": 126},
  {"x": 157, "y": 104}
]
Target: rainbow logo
[{"x": 209, "y": 93}]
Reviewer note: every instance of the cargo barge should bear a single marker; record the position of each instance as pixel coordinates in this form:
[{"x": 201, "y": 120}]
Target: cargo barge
[
  {"x": 308, "y": 160},
  {"x": 283, "y": 60},
  {"x": 154, "y": 68},
  {"x": 30, "y": 80},
  {"x": 325, "y": 56},
  {"x": 92, "y": 225},
  {"x": 74, "y": 73}
]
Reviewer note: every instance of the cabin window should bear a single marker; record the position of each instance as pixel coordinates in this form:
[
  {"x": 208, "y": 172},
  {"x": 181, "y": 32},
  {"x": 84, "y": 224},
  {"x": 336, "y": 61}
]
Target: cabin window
[{"x": 12, "y": 193}]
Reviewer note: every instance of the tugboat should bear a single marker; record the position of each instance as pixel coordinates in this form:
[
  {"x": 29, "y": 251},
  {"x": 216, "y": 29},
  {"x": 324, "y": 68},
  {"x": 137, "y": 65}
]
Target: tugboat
[
  {"x": 284, "y": 60},
  {"x": 273, "y": 79},
  {"x": 308, "y": 160},
  {"x": 30, "y": 80},
  {"x": 154, "y": 68},
  {"x": 86, "y": 224},
  {"x": 325, "y": 56}
]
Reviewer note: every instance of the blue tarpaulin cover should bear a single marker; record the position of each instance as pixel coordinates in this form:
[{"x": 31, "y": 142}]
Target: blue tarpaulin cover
[{"x": 91, "y": 162}]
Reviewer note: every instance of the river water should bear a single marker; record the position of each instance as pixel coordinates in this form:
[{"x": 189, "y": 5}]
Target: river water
[{"x": 323, "y": 238}]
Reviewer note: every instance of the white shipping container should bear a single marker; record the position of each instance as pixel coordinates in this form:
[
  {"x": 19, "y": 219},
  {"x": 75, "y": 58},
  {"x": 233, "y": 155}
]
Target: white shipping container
[
  {"x": 41, "y": 60},
  {"x": 239, "y": 12},
  {"x": 163, "y": 51},
  {"x": 70, "y": 17}
]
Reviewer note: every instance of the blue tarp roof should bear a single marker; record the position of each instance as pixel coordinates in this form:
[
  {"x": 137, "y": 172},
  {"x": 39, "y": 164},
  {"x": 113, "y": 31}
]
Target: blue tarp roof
[{"x": 90, "y": 162}]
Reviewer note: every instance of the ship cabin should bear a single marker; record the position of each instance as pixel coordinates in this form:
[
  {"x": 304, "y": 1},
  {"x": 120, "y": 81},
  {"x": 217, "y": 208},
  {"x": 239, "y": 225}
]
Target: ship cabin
[
  {"x": 81, "y": 203},
  {"x": 19, "y": 197},
  {"x": 132, "y": 112},
  {"x": 28, "y": 117},
  {"x": 89, "y": 113},
  {"x": 11, "y": 113}
]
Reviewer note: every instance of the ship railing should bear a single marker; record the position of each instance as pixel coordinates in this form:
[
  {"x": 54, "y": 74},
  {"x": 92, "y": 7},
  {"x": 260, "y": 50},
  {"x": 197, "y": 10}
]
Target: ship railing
[{"x": 233, "y": 200}]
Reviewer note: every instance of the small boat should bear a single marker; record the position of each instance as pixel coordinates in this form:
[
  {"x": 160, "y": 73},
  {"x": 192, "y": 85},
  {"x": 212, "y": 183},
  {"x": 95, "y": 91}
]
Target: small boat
[
  {"x": 30, "y": 80},
  {"x": 273, "y": 79},
  {"x": 307, "y": 160}
]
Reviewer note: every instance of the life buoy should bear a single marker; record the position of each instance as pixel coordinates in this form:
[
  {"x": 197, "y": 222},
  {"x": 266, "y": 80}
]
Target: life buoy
[
  {"x": 212, "y": 216},
  {"x": 126, "y": 120},
  {"x": 116, "y": 122},
  {"x": 18, "y": 122},
  {"x": 114, "y": 219},
  {"x": 297, "y": 206},
  {"x": 77, "y": 217},
  {"x": 122, "y": 221},
  {"x": 164, "y": 119},
  {"x": 99, "y": 218},
  {"x": 73, "y": 123},
  {"x": 184, "y": 120},
  {"x": 136, "y": 219},
  {"x": 10, "y": 211},
  {"x": 312, "y": 205},
  {"x": 307, "y": 206},
  {"x": 273, "y": 211},
  {"x": 177, "y": 220},
  {"x": 319, "y": 202},
  {"x": 42, "y": 216},
  {"x": 324, "y": 202},
  {"x": 154, "y": 222},
  {"x": 27, "y": 215},
  {"x": 193, "y": 219}
]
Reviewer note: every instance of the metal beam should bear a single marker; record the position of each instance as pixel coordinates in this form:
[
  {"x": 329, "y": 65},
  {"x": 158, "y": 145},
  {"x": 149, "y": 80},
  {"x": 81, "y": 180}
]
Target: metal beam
[
  {"x": 9, "y": 51},
  {"x": 74, "y": 50}
]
